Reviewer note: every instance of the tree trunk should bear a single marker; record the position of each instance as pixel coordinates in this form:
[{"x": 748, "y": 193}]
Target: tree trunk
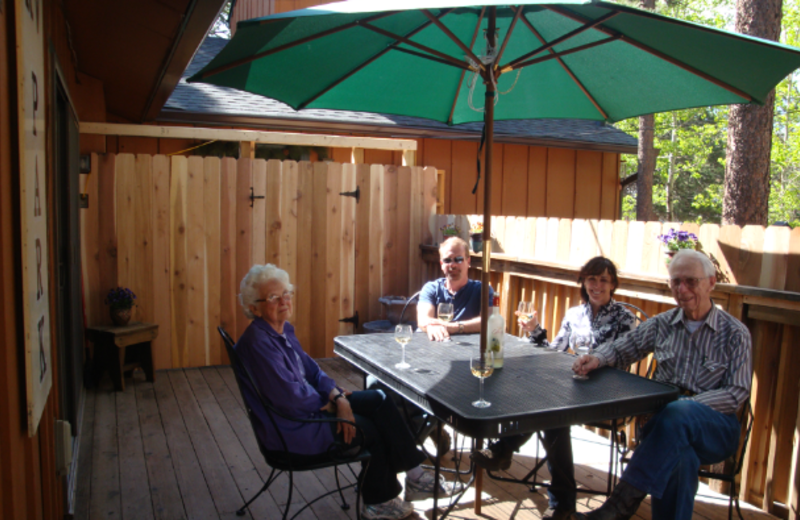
[
  {"x": 747, "y": 166},
  {"x": 646, "y": 155},
  {"x": 671, "y": 170}
]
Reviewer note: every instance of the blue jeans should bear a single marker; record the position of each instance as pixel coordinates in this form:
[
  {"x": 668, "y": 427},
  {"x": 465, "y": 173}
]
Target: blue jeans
[
  {"x": 388, "y": 439},
  {"x": 558, "y": 445},
  {"x": 675, "y": 443}
]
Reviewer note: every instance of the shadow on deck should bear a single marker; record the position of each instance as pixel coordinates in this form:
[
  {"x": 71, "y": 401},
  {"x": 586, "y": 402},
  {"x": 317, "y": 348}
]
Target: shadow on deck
[{"x": 182, "y": 447}]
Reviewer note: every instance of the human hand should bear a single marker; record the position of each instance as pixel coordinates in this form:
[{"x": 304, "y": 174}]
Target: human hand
[
  {"x": 437, "y": 332},
  {"x": 343, "y": 411},
  {"x": 528, "y": 325},
  {"x": 329, "y": 407},
  {"x": 585, "y": 364}
]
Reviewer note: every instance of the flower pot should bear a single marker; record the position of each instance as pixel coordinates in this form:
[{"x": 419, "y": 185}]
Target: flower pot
[
  {"x": 476, "y": 243},
  {"x": 121, "y": 317}
]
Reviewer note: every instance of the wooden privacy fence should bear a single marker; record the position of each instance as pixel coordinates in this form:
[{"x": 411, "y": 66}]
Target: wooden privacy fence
[
  {"x": 182, "y": 233},
  {"x": 538, "y": 260}
]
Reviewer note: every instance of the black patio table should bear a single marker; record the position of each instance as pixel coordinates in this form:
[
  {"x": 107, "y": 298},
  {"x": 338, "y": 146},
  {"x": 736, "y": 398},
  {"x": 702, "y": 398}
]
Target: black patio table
[{"x": 534, "y": 390}]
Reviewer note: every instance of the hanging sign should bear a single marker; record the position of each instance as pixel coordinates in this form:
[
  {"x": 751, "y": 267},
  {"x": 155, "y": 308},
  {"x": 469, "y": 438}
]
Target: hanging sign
[{"x": 33, "y": 206}]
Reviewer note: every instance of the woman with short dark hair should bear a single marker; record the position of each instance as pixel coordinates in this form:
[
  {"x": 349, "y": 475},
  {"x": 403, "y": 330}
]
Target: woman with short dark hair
[{"x": 606, "y": 320}]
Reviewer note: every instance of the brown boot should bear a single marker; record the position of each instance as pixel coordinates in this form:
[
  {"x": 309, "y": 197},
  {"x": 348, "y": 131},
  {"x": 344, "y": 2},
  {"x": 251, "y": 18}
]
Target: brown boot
[
  {"x": 621, "y": 505},
  {"x": 494, "y": 458}
]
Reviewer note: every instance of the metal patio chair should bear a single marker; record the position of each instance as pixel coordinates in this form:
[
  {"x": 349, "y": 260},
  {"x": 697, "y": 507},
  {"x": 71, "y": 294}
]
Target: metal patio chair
[{"x": 284, "y": 461}]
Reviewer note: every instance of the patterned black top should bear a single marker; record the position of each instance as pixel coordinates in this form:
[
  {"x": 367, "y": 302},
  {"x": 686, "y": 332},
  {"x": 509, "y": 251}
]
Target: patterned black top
[{"x": 612, "y": 321}]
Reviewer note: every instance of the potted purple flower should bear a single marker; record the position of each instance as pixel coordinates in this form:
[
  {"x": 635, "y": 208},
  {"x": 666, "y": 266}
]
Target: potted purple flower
[
  {"x": 120, "y": 305},
  {"x": 673, "y": 241}
]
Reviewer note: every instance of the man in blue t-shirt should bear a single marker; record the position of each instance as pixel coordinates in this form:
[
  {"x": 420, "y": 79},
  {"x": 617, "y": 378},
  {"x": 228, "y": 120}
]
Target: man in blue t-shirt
[{"x": 455, "y": 288}]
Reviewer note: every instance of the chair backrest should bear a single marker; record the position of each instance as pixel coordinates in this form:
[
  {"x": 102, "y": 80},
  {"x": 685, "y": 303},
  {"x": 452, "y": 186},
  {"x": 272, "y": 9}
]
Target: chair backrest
[
  {"x": 644, "y": 315},
  {"x": 244, "y": 377},
  {"x": 746, "y": 419}
]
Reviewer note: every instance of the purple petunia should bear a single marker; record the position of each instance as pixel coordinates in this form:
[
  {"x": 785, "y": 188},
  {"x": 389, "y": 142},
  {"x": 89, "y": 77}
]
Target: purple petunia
[
  {"x": 120, "y": 298},
  {"x": 675, "y": 240}
]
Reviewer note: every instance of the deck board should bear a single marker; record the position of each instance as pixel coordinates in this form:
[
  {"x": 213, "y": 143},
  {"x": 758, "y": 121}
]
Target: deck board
[{"x": 182, "y": 447}]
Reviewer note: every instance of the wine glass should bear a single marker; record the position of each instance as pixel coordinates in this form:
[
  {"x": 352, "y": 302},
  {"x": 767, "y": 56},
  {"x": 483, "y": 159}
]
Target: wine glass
[
  {"x": 525, "y": 313},
  {"x": 402, "y": 334},
  {"x": 581, "y": 342},
  {"x": 482, "y": 367},
  {"x": 445, "y": 312}
]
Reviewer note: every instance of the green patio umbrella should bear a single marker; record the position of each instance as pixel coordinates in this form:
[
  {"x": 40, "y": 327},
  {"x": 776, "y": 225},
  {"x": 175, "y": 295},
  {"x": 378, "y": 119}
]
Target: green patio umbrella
[{"x": 456, "y": 62}]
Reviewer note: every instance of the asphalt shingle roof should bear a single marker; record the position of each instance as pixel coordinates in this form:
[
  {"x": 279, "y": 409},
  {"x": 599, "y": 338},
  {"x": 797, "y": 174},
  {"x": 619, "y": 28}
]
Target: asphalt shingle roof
[{"x": 201, "y": 99}]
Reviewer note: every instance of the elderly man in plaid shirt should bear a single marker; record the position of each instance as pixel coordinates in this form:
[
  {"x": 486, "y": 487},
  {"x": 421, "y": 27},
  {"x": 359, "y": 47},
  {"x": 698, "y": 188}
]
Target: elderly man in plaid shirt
[{"x": 706, "y": 352}]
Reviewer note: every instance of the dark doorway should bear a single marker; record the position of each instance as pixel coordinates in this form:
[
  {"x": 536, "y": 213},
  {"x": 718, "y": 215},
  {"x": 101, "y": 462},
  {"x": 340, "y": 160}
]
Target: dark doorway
[{"x": 69, "y": 328}]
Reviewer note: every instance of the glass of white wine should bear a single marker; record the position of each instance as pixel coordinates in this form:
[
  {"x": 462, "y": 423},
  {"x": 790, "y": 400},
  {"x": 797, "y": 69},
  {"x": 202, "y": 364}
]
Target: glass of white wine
[
  {"x": 402, "y": 334},
  {"x": 482, "y": 366},
  {"x": 581, "y": 342},
  {"x": 525, "y": 313},
  {"x": 445, "y": 312}
]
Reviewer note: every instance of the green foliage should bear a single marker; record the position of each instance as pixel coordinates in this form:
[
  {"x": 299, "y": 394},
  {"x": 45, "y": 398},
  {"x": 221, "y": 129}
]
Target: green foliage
[{"x": 696, "y": 152}]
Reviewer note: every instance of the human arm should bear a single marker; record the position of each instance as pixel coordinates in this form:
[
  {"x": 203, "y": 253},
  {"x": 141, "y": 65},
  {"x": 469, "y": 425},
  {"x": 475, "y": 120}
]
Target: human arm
[
  {"x": 735, "y": 387},
  {"x": 339, "y": 405}
]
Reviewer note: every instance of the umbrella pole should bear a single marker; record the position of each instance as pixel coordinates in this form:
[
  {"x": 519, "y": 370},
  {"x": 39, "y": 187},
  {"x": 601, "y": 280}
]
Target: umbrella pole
[{"x": 487, "y": 186}]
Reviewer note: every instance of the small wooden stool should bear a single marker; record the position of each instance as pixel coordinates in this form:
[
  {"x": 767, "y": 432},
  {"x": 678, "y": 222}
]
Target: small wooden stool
[{"x": 120, "y": 349}]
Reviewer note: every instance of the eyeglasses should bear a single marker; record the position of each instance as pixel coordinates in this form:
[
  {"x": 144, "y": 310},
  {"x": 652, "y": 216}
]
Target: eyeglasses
[
  {"x": 690, "y": 283},
  {"x": 287, "y": 295},
  {"x": 456, "y": 259}
]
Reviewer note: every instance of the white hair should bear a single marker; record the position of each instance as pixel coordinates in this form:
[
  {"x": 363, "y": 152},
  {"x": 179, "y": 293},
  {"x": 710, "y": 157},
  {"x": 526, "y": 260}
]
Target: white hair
[
  {"x": 258, "y": 275},
  {"x": 697, "y": 256}
]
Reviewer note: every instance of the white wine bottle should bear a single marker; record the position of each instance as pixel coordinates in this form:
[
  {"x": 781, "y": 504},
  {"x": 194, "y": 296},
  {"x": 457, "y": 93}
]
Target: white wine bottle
[{"x": 496, "y": 331}]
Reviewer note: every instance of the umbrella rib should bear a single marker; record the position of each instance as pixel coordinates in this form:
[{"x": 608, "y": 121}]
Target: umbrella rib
[
  {"x": 646, "y": 48},
  {"x": 587, "y": 25},
  {"x": 567, "y": 69},
  {"x": 557, "y": 55},
  {"x": 425, "y": 48},
  {"x": 453, "y": 37},
  {"x": 289, "y": 45},
  {"x": 462, "y": 66},
  {"x": 517, "y": 14},
  {"x": 463, "y": 72},
  {"x": 361, "y": 66}
]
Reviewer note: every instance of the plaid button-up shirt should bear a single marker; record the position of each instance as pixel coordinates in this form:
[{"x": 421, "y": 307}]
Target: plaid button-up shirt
[{"x": 715, "y": 362}]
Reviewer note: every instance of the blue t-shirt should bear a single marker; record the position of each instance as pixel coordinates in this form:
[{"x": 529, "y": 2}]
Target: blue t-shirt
[{"x": 466, "y": 302}]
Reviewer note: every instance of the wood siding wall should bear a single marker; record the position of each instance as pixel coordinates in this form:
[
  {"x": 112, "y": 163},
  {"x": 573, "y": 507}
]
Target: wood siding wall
[
  {"x": 181, "y": 234},
  {"x": 755, "y": 256}
]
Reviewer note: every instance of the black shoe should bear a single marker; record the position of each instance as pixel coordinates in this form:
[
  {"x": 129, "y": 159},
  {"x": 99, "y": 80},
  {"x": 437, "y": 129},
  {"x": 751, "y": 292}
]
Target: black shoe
[
  {"x": 558, "y": 513},
  {"x": 494, "y": 458},
  {"x": 621, "y": 505}
]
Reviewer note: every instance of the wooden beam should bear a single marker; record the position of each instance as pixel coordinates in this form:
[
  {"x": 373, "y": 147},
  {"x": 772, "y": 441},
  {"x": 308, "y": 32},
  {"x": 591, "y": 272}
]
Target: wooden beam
[{"x": 286, "y": 138}]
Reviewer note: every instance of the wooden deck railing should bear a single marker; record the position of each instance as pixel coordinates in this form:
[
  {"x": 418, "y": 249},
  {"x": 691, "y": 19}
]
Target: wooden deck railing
[{"x": 540, "y": 259}]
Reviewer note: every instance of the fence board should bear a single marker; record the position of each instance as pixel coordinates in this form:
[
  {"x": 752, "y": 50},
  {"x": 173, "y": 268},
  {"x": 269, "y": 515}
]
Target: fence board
[
  {"x": 211, "y": 210},
  {"x": 332, "y": 174},
  {"x": 289, "y": 200},
  {"x": 633, "y": 259},
  {"x": 259, "y": 212},
  {"x": 429, "y": 203},
  {"x": 403, "y": 231},
  {"x": 303, "y": 250},
  {"x": 376, "y": 232},
  {"x": 729, "y": 242},
  {"x": 564, "y": 240},
  {"x": 652, "y": 258},
  {"x": 462, "y": 178},
  {"x": 605, "y": 237},
  {"x": 319, "y": 255},
  {"x": 90, "y": 246},
  {"x": 417, "y": 216},
  {"x": 793, "y": 265},
  {"x": 499, "y": 235},
  {"x": 362, "y": 241},
  {"x": 775, "y": 258},
  {"x": 229, "y": 310},
  {"x": 389, "y": 239},
  {"x": 178, "y": 260},
  {"x": 196, "y": 265},
  {"x": 272, "y": 208},
  {"x": 347, "y": 277},
  {"x": 619, "y": 243},
  {"x": 107, "y": 233},
  {"x": 244, "y": 249},
  {"x": 527, "y": 236},
  {"x": 750, "y": 255},
  {"x": 162, "y": 357}
]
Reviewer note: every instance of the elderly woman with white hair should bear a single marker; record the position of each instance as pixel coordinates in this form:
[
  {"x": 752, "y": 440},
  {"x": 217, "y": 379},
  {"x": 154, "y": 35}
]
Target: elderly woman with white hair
[{"x": 296, "y": 386}]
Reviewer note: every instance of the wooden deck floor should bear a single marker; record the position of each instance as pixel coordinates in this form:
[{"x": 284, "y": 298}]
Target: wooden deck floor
[{"x": 182, "y": 447}]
